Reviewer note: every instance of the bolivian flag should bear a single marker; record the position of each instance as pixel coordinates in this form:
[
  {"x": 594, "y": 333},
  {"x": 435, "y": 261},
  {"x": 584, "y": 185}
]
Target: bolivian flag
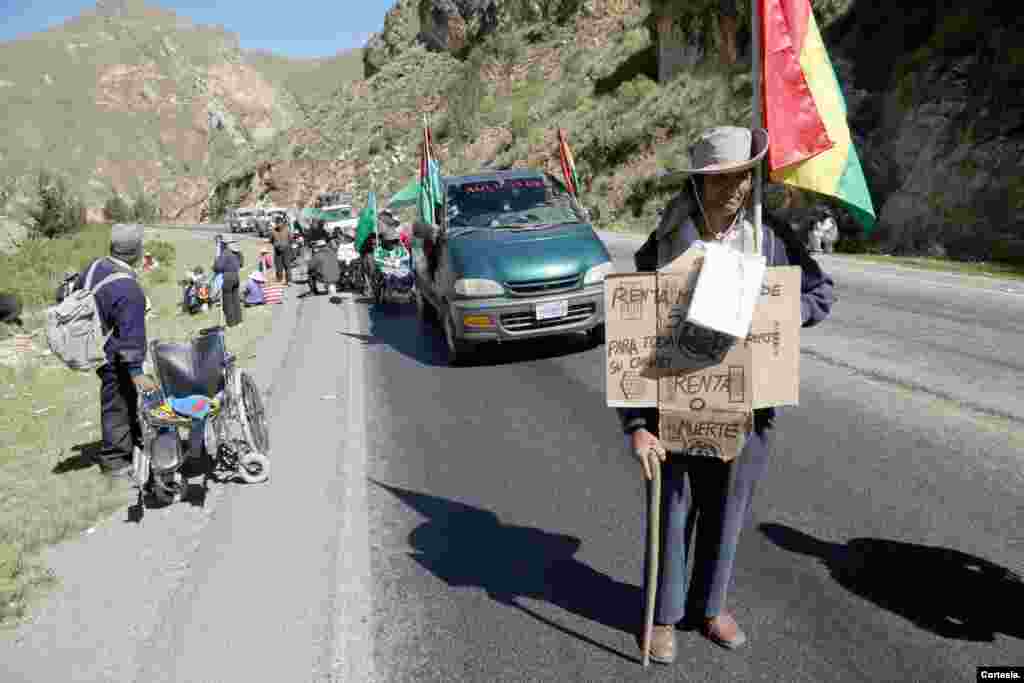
[
  {"x": 568, "y": 165},
  {"x": 805, "y": 112}
]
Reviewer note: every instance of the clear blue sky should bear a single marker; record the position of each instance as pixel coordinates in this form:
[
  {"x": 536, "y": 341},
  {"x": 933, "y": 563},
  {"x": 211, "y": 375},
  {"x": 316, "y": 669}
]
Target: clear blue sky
[{"x": 297, "y": 28}]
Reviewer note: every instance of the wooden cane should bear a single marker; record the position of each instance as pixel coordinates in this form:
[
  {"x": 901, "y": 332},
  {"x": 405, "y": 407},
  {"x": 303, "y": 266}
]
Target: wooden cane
[{"x": 653, "y": 549}]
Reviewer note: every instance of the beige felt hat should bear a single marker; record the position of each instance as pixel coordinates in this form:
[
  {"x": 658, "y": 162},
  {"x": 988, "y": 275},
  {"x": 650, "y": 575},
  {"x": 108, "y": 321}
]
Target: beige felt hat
[{"x": 726, "y": 149}]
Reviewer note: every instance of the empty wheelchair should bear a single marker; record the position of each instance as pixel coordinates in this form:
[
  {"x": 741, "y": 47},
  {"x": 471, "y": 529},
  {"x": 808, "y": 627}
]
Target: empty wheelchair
[{"x": 233, "y": 422}]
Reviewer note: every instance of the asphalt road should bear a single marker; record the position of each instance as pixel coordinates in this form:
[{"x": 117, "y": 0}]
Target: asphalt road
[
  {"x": 507, "y": 523},
  {"x": 427, "y": 523}
]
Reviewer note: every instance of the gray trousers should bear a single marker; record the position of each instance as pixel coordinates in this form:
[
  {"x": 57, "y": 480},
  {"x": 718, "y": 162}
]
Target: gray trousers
[{"x": 704, "y": 505}]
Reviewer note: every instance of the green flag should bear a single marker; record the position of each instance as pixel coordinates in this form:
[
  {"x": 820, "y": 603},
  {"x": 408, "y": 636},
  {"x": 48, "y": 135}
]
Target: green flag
[
  {"x": 367, "y": 221},
  {"x": 407, "y": 196}
]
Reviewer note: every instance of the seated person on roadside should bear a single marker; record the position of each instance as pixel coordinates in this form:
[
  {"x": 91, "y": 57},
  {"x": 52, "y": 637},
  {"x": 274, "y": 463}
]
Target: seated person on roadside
[{"x": 252, "y": 293}]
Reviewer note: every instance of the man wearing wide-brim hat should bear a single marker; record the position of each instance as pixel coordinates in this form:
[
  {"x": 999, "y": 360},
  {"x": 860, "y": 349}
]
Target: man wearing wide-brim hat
[{"x": 706, "y": 501}]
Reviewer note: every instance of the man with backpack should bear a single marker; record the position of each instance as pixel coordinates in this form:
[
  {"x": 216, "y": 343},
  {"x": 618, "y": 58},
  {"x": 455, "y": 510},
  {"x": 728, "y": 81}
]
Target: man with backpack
[{"x": 120, "y": 305}]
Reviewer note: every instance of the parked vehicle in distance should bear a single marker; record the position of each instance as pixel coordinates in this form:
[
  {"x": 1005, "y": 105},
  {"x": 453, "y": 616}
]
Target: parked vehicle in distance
[
  {"x": 242, "y": 219},
  {"x": 332, "y": 198},
  {"x": 340, "y": 219},
  {"x": 514, "y": 258}
]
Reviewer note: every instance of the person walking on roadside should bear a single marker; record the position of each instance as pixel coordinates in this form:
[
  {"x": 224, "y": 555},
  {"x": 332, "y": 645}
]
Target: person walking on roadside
[
  {"x": 707, "y": 501},
  {"x": 281, "y": 238},
  {"x": 228, "y": 265},
  {"x": 121, "y": 306}
]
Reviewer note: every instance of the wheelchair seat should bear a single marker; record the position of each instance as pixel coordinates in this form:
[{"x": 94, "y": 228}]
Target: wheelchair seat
[{"x": 185, "y": 369}]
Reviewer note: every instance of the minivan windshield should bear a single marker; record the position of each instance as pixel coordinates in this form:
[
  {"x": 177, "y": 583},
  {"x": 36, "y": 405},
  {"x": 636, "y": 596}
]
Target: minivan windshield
[{"x": 509, "y": 203}]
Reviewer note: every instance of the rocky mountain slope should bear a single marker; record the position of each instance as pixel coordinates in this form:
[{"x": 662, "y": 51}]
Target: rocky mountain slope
[
  {"x": 129, "y": 97},
  {"x": 933, "y": 93},
  {"x": 129, "y": 91}
]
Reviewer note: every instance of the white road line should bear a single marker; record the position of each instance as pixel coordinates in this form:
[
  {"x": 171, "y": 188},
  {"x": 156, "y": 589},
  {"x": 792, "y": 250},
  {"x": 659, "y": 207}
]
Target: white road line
[
  {"x": 973, "y": 282},
  {"x": 353, "y": 644}
]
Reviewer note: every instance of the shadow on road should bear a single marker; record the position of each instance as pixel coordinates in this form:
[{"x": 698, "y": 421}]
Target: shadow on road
[
  {"x": 945, "y": 591},
  {"x": 467, "y": 546},
  {"x": 85, "y": 456},
  {"x": 398, "y": 325}
]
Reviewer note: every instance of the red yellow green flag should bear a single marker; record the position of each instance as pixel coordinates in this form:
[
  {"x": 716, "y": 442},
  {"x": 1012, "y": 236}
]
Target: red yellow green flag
[
  {"x": 805, "y": 111},
  {"x": 568, "y": 164}
]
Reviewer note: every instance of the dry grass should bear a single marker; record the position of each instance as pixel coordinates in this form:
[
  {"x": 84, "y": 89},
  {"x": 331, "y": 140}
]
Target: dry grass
[{"x": 49, "y": 427}]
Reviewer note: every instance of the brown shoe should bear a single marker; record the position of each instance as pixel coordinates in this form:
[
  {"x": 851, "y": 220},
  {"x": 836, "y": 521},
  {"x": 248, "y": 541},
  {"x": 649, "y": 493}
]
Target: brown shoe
[
  {"x": 663, "y": 644},
  {"x": 724, "y": 630}
]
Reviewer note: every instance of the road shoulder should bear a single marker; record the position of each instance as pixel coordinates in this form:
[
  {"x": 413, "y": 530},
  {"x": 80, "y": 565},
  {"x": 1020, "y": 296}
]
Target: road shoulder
[{"x": 116, "y": 579}]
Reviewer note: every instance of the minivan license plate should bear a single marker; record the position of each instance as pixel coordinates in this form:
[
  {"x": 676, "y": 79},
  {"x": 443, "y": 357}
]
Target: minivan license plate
[{"x": 550, "y": 310}]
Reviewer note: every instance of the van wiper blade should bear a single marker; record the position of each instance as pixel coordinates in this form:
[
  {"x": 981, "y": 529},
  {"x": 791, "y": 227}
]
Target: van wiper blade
[
  {"x": 463, "y": 231},
  {"x": 545, "y": 226}
]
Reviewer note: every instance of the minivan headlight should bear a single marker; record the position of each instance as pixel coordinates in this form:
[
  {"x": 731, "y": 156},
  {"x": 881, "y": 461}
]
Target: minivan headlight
[
  {"x": 598, "y": 273},
  {"x": 477, "y": 287}
]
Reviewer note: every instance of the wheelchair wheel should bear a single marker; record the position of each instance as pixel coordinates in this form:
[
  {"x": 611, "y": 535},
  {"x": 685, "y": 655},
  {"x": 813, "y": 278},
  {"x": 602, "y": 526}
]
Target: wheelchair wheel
[
  {"x": 254, "y": 414},
  {"x": 254, "y": 468}
]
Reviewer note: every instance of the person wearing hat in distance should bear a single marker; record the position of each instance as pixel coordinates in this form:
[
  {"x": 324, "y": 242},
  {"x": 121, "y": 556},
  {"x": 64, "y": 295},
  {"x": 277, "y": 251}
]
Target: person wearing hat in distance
[
  {"x": 252, "y": 293},
  {"x": 266, "y": 260},
  {"x": 122, "y": 308},
  {"x": 706, "y": 501},
  {"x": 228, "y": 264}
]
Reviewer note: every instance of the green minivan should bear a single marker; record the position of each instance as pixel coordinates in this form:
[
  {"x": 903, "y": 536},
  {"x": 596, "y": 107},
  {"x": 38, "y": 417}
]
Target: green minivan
[{"x": 514, "y": 257}]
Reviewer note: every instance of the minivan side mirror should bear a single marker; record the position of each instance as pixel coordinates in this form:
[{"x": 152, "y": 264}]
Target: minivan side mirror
[{"x": 424, "y": 231}]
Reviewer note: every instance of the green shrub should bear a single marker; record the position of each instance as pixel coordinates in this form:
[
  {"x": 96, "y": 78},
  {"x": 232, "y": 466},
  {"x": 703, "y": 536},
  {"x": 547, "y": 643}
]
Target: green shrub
[
  {"x": 59, "y": 212},
  {"x": 116, "y": 210},
  {"x": 465, "y": 95},
  {"x": 144, "y": 210},
  {"x": 520, "y": 121},
  {"x": 162, "y": 251},
  {"x": 35, "y": 270}
]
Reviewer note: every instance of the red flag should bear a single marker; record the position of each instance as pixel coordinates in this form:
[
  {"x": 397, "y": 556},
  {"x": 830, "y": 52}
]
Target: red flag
[
  {"x": 568, "y": 167},
  {"x": 795, "y": 126}
]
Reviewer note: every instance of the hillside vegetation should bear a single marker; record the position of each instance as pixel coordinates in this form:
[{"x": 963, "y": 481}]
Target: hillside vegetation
[
  {"x": 129, "y": 97},
  {"x": 934, "y": 101},
  {"x": 496, "y": 78}
]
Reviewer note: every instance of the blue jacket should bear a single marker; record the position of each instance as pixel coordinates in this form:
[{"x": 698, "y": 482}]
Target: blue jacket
[
  {"x": 228, "y": 262},
  {"x": 122, "y": 309},
  {"x": 782, "y": 248},
  {"x": 253, "y": 293}
]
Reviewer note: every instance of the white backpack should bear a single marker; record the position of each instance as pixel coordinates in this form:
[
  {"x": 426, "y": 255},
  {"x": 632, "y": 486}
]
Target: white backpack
[{"x": 74, "y": 329}]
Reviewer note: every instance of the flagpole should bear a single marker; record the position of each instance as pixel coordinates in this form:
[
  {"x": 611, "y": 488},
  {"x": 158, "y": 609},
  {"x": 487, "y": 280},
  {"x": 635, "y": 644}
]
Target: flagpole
[{"x": 755, "y": 60}]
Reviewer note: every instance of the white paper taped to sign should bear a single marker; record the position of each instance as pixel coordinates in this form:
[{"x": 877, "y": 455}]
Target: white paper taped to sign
[{"x": 727, "y": 290}]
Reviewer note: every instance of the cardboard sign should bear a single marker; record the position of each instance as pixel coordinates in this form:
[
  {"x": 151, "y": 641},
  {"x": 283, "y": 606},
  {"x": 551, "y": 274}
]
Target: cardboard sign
[
  {"x": 630, "y": 331},
  {"x": 707, "y": 433},
  {"x": 758, "y": 371},
  {"x": 774, "y": 340}
]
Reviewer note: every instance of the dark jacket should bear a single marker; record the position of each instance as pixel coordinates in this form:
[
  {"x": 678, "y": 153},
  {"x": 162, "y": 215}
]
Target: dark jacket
[
  {"x": 228, "y": 262},
  {"x": 122, "y": 309},
  {"x": 325, "y": 264},
  {"x": 317, "y": 232},
  {"x": 782, "y": 248}
]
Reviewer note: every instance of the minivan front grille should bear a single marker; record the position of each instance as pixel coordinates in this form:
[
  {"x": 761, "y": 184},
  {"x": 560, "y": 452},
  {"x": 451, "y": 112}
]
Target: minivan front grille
[
  {"x": 543, "y": 287},
  {"x": 527, "y": 320}
]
